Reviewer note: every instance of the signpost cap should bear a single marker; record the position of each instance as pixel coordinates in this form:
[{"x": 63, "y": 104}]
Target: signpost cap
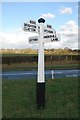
[{"x": 41, "y": 20}]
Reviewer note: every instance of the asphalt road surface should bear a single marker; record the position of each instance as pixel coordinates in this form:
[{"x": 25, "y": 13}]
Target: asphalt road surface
[{"x": 33, "y": 74}]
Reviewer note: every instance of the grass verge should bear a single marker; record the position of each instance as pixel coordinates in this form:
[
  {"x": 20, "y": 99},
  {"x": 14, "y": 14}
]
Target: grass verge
[
  {"x": 50, "y": 65},
  {"x": 19, "y": 98}
]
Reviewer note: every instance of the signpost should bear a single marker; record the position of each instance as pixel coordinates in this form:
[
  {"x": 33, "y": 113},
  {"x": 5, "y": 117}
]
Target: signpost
[
  {"x": 41, "y": 81},
  {"x": 46, "y": 34}
]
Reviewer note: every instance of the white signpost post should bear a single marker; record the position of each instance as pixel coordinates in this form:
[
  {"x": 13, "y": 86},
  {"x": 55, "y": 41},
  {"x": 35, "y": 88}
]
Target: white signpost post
[{"x": 46, "y": 34}]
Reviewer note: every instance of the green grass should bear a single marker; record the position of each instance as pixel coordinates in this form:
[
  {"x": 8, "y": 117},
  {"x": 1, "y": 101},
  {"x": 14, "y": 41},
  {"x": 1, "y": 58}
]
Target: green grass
[
  {"x": 63, "y": 66},
  {"x": 19, "y": 66},
  {"x": 19, "y": 98},
  {"x": 36, "y": 54}
]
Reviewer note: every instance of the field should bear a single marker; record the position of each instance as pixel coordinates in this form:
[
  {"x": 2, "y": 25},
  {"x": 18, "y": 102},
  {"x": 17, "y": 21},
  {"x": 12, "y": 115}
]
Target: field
[
  {"x": 34, "y": 65},
  {"x": 19, "y": 99},
  {"x": 27, "y": 62}
]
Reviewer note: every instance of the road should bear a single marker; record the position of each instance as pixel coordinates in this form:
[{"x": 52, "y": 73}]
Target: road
[{"x": 33, "y": 74}]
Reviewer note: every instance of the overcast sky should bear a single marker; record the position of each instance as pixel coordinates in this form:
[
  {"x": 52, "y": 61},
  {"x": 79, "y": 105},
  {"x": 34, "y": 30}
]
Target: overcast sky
[{"x": 63, "y": 16}]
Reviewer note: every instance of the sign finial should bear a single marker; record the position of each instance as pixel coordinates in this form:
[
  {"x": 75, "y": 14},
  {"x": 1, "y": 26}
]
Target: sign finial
[{"x": 41, "y": 20}]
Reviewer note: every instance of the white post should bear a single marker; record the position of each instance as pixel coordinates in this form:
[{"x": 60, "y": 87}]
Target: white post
[
  {"x": 52, "y": 72},
  {"x": 41, "y": 80},
  {"x": 41, "y": 56}
]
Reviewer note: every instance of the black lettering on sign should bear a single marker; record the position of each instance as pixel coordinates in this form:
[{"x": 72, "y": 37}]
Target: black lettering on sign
[
  {"x": 49, "y": 26},
  {"x": 30, "y": 40},
  {"x": 35, "y": 39},
  {"x": 48, "y": 31},
  {"x": 49, "y": 36},
  {"x": 29, "y": 25},
  {"x": 32, "y": 22},
  {"x": 56, "y": 39},
  {"x": 25, "y": 24},
  {"x": 25, "y": 28},
  {"x": 32, "y": 29},
  {"x": 28, "y": 29},
  {"x": 32, "y": 26}
]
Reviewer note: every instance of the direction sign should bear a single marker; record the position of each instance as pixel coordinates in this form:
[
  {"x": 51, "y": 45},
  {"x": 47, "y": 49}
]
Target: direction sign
[
  {"x": 51, "y": 38},
  {"x": 31, "y": 26},
  {"x": 46, "y": 39},
  {"x": 34, "y": 39},
  {"x": 49, "y": 30}
]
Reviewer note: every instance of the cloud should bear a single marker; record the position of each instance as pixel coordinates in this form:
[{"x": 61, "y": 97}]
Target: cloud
[
  {"x": 70, "y": 27},
  {"x": 18, "y": 39},
  {"x": 48, "y": 15},
  {"x": 65, "y": 10},
  {"x": 69, "y": 33}
]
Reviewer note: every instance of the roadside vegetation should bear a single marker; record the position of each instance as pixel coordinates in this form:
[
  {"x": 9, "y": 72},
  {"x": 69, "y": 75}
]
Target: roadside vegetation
[
  {"x": 66, "y": 51},
  {"x": 34, "y": 65}
]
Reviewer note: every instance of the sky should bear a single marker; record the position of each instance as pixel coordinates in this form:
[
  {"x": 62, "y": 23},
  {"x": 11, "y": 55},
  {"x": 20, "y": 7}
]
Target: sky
[{"x": 63, "y": 16}]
